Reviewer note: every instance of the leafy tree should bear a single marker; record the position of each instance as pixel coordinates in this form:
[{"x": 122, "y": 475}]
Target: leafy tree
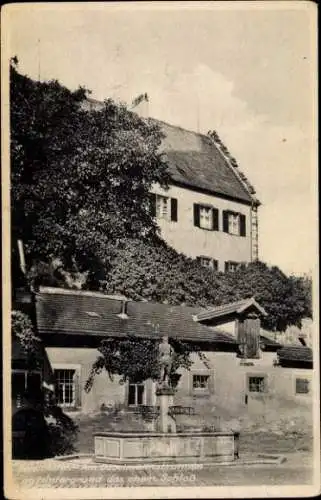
[
  {"x": 79, "y": 179},
  {"x": 157, "y": 272},
  {"x": 136, "y": 359},
  {"x": 23, "y": 331}
]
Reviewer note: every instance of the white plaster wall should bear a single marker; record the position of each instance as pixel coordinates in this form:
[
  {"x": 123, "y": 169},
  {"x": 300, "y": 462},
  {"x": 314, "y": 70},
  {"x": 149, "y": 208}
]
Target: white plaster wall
[{"x": 194, "y": 241}]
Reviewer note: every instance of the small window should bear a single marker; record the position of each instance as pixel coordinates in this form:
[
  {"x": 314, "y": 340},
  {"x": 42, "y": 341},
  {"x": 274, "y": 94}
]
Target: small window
[
  {"x": 302, "y": 386},
  {"x": 162, "y": 207},
  {"x": 136, "y": 394},
  {"x": 65, "y": 387},
  {"x": 231, "y": 266},
  {"x": 206, "y": 217},
  {"x": 257, "y": 384},
  {"x": 206, "y": 221},
  {"x": 208, "y": 262},
  {"x": 234, "y": 223},
  {"x": 201, "y": 381}
]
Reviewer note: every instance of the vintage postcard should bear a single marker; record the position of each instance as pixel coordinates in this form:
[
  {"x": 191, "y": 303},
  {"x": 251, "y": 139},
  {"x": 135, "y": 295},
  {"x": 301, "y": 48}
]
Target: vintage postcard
[{"x": 160, "y": 250}]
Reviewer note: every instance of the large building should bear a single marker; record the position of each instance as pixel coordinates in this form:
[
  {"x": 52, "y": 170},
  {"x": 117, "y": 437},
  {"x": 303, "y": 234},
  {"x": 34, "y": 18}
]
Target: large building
[{"x": 210, "y": 210}]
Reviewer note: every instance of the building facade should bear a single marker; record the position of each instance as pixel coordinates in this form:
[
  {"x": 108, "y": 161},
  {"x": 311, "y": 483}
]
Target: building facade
[
  {"x": 210, "y": 210},
  {"x": 245, "y": 373}
]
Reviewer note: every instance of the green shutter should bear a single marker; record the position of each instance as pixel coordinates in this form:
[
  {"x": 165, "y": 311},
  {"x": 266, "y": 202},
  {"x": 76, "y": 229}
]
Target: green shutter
[
  {"x": 225, "y": 221},
  {"x": 174, "y": 209},
  {"x": 215, "y": 219},
  {"x": 196, "y": 215},
  {"x": 242, "y": 225}
]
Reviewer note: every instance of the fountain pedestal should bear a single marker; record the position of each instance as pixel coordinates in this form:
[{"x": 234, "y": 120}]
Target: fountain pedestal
[{"x": 165, "y": 422}]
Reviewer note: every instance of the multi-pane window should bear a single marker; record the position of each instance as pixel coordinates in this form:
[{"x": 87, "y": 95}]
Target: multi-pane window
[
  {"x": 162, "y": 206},
  {"x": 65, "y": 387},
  {"x": 201, "y": 381},
  {"x": 234, "y": 223},
  {"x": 257, "y": 384},
  {"x": 206, "y": 217},
  {"x": 136, "y": 394},
  {"x": 205, "y": 214},
  {"x": 302, "y": 386}
]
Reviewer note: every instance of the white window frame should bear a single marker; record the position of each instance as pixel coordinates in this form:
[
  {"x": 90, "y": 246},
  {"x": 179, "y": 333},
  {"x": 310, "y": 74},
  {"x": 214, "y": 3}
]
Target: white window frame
[
  {"x": 163, "y": 207},
  {"x": 234, "y": 223},
  {"x": 205, "y": 217},
  {"x": 143, "y": 403},
  {"x": 201, "y": 391},
  {"x": 77, "y": 370},
  {"x": 260, "y": 376}
]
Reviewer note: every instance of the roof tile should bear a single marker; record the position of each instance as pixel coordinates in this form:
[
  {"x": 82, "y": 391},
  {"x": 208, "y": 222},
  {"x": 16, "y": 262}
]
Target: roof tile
[{"x": 67, "y": 313}]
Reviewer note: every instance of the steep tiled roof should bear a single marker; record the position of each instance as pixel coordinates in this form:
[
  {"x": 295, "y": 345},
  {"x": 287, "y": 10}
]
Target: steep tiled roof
[
  {"x": 100, "y": 315},
  {"x": 230, "y": 308},
  {"x": 296, "y": 354},
  {"x": 195, "y": 161}
]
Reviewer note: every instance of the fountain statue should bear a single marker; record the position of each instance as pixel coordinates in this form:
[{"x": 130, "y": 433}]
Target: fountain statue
[
  {"x": 164, "y": 390},
  {"x": 166, "y": 353}
]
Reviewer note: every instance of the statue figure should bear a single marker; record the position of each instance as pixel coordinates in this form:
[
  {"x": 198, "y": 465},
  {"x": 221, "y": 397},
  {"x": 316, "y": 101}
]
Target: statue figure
[{"x": 166, "y": 353}]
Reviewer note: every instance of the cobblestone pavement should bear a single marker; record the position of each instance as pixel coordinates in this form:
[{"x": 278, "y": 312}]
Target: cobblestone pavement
[{"x": 84, "y": 473}]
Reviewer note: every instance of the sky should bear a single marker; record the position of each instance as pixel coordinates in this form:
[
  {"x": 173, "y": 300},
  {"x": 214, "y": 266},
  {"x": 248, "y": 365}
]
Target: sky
[{"x": 245, "y": 70}]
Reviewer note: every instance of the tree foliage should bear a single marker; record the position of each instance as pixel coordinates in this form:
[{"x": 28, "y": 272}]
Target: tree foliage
[
  {"x": 79, "y": 195},
  {"x": 79, "y": 179},
  {"x": 159, "y": 273},
  {"x": 136, "y": 359},
  {"x": 23, "y": 331}
]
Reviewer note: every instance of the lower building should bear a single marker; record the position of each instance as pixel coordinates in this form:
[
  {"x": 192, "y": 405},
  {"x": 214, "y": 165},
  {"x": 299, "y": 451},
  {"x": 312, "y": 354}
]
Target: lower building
[{"x": 244, "y": 373}]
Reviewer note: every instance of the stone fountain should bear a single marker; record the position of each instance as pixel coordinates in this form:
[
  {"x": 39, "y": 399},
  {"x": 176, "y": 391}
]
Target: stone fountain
[{"x": 163, "y": 444}]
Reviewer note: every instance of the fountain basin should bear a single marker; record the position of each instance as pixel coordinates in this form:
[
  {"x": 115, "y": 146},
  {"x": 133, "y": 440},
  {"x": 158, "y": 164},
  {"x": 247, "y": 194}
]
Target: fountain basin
[{"x": 153, "y": 447}]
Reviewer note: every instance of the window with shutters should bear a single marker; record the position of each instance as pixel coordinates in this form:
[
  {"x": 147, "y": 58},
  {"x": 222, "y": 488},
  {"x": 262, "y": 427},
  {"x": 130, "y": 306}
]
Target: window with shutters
[
  {"x": 234, "y": 223},
  {"x": 257, "y": 384},
  {"x": 67, "y": 386},
  {"x": 302, "y": 386},
  {"x": 208, "y": 262},
  {"x": 163, "y": 207},
  {"x": 206, "y": 217}
]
